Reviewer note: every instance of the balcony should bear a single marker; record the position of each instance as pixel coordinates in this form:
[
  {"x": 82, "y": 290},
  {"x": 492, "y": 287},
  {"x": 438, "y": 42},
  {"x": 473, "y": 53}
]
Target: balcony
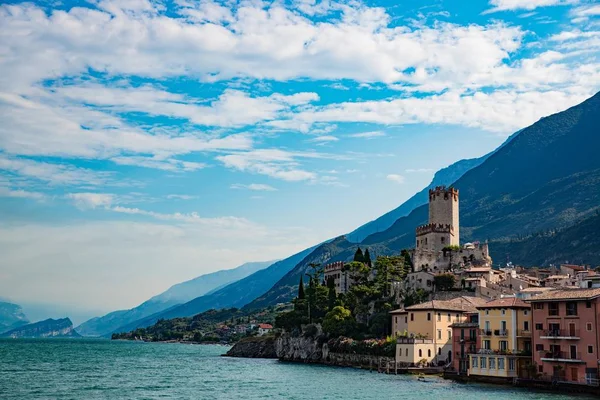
[
  {"x": 561, "y": 356},
  {"x": 497, "y": 352},
  {"x": 466, "y": 339},
  {"x": 524, "y": 333},
  {"x": 413, "y": 341},
  {"x": 486, "y": 332},
  {"x": 572, "y": 334},
  {"x": 500, "y": 332}
]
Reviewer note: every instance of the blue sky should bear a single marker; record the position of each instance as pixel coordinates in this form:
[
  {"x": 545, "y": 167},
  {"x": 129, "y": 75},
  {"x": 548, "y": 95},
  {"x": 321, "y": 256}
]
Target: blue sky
[{"x": 145, "y": 143}]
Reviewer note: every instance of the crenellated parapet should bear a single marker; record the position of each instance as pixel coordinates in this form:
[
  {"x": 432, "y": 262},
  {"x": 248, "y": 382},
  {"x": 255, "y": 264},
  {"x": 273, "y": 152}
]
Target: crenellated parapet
[
  {"x": 443, "y": 192},
  {"x": 334, "y": 266},
  {"x": 437, "y": 228}
]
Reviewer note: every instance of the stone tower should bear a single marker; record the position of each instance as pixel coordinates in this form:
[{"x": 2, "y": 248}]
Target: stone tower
[{"x": 443, "y": 227}]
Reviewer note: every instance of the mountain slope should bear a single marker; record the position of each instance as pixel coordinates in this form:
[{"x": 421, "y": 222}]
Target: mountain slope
[
  {"x": 11, "y": 316},
  {"x": 43, "y": 329},
  {"x": 176, "y": 294},
  {"x": 236, "y": 294}
]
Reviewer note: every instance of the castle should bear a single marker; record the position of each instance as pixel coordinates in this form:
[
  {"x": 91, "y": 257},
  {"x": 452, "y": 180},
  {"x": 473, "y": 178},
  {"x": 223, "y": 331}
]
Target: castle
[{"x": 438, "y": 242}]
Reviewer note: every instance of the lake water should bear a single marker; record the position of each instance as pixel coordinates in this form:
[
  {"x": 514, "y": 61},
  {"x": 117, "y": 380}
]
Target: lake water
[{"x": 101, "y": 369}]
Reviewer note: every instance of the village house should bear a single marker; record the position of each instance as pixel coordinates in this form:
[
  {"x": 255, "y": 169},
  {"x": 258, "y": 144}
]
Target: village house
[
  {"x": 423, "y": 330},
  {"x": 340, "y": 276},
  {"x": 263, "y": 329},
  {"x": 465, "y": 341},
  {"x": 566, "y": 334},
  {"x": 505, "y": 330}
]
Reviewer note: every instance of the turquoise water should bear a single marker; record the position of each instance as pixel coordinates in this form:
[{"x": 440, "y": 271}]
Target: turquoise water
[{"x": 101, "y": 369}]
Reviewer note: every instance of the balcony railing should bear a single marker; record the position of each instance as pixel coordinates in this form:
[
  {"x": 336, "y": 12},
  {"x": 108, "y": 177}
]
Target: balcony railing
[
  {"x": 500, "y": 332},
  {"x": 413, "y": 341},
  {"x": 466, "y": 339},
  {"x": 555, "y": 333},
  {"x": 486, "y": 332},
  {"x": 560, "y": 356},
  {"x": 524, "y": 332},
  {"x": 504, "y": 352}
]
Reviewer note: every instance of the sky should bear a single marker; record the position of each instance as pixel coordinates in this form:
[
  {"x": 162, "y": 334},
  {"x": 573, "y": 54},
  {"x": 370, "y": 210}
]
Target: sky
[{"x": 146, "y": 143}]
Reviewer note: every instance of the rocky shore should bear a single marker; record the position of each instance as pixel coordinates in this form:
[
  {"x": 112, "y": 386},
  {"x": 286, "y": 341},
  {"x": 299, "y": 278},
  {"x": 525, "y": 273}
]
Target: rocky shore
[{"x": 254, "y": 347}]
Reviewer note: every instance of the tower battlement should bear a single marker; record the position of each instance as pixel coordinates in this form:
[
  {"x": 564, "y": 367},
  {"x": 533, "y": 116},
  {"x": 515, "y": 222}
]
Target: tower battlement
[
  {"x": 443, "y": 192},
  {"x": 437, "y": 228}
]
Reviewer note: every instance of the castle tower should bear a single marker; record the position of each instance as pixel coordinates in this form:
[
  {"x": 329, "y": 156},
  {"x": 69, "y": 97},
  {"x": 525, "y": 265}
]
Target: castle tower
[{"x": 443, "y": 227}]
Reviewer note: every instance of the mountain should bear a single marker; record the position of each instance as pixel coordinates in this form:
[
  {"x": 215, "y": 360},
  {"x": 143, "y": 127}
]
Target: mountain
[
  {"x": 11, "y": 316},
  {"x": 176, "y": 294},
  {"x": 545, "y": 176},
  {"x": 43, "y": 329},
  {"x": 236, "y": 294}
]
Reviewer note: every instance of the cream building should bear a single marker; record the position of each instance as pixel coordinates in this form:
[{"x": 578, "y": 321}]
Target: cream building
[{"x": 424, "y": 332}]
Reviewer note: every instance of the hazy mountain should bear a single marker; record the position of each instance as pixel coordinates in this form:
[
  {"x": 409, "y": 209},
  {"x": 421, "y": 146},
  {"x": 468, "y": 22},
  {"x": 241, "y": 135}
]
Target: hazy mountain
[
  {"x": 176, "y": 294},
  {"x": 236, "y": 294},
  {"x": 43, "y": 329},
  {"x": 11, "y": 316}
]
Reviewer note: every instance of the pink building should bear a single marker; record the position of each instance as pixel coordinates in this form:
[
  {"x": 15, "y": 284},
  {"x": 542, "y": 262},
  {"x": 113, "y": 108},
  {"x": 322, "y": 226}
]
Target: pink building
[
  {"x": 566, "y": 334},
  {"x": 465, "y": 340}
]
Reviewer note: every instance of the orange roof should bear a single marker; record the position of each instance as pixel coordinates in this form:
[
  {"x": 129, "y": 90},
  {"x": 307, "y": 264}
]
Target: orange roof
[
  {"x": 507, "y": 302},
  {"x": 265, "y": 326},
  {"x": 567, "y": 294}
]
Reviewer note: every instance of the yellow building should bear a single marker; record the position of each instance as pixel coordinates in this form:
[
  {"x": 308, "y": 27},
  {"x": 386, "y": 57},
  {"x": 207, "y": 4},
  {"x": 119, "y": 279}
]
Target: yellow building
[
  {"x": 424, "y": 332},
  {"x": 505, "y": 330}
]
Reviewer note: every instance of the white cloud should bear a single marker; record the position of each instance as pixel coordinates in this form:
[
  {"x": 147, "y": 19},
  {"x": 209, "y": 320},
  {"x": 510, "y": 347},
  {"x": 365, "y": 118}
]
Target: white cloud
[
  {"x": 271, "y": 162},
  {"x": 91, "y": 200},
  {"x": 23, "y": 194},
  {"x": 584, "y": 13},
  {"x": 181, "y": 197},
  {"x": 261, "y": 187},
  {"x": 395, "y": 178},
  {"x": 511, "y": 5},
  {"x": 368, "y": 135},
  {"x": 168, "y": 164},
  {"x": 418, "y": 170},
  {"x": 325, "y": 139},
  {"x": 194, "y": 218}
]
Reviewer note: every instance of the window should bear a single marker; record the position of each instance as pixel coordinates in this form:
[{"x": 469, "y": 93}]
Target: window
[
  {"x": 588, "y": 326},
  {"x": 487, "y": 326},
  {"x": 439, "y": 331},
  {"x": 443, "y": 240},
  {"x": 503, "y": 345},
  {"x": 539, "y": 327},
  {"x": 540, "y": 369},
  {"x": 420, "y": 353},
  {"x": 406, "y": 352},
  {"x": 396, "y": 320},
  {"x": 428, "y": 352},
  {"x": 590, "y": 349},
  {"x": 406, "y": 320},
  {"x": 412, "y": 316},
  {"x": 492, "y": 363},
  {"x": 501, "y": 363},
  {"x": 487, "y": 312},
  {"x": 428, "y": 316},
  {"x": 588, "y": 304},
  {"x": 483, "y": 362},
  {"x": 539, "y": 347},
  {"x": 553, "y": 309},
  {"x": 538, "y": 306},
  {"x": 503, "y": 326},
  {"x": 511, "y": 364},
  {"x": 487, "y": 345},
  {"x": 456, "y": 316},
  {"x": 526, "y": 312},
  {"x": 503, "y": 311},
  {"x": 449, "y": 318},
  {"x": 474, "y": 362},
  {"x": 439, "y": 317},
  {"x": 449, "y": 333},
  {"x": 526, "y": 325},
  {"x": 572, "y": 308},
  {"x": 440, "y": 351}
]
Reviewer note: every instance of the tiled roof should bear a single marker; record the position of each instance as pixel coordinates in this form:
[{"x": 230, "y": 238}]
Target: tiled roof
[
  {"x": 478, "y": 269},
  {"x": 507, "y": 302},
  {"x": 462, "y": 304},
  {"x": 567, "y": 294},
  {"x": 265, "y": 326},
  {"x": 399, "y": 311},
  {"x": 536, "y": 289}
]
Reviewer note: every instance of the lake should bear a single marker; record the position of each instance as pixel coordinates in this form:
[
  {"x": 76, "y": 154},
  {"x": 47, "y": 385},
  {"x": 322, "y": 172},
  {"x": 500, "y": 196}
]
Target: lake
[{"x": 102, "y": 369}]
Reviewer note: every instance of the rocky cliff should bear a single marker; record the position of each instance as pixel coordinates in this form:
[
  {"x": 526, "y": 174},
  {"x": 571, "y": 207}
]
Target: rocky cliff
[
  {"x": 44, "y": 329},
  {"x": 300, "y": 348},
  {"x": 254, "y": 347}
]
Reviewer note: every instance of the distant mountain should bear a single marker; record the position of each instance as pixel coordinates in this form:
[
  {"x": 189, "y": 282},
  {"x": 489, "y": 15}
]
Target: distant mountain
[
  {"x": 176, "y": 294},
  {"x": 236, "y": 294},
  {"x": 546, "y": 176},
  {"x": 11, "y": 316},
  {"x": 43, "y": 329}
]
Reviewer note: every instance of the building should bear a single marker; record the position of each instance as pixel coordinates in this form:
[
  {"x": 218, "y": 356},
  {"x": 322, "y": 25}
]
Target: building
[
  {"x": 424, "y": 330},
  {"x": 437, "y": 243},
  {"x": 566, "y": 334},
  {"x": 263, "y": 329},
  {"x": 505, "y": 330},
  {"x": 465, "y": 341},
  {"x": 341, "y": 277}
]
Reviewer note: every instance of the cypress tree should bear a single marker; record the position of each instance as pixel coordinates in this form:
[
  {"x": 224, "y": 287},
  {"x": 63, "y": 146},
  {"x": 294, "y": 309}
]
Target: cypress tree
[
  {"x": 367, "y": 258},
  {"x": 332, "y": 296},
  {"x": 301, "y": 289},
  {"x": 358, "y": 256}
]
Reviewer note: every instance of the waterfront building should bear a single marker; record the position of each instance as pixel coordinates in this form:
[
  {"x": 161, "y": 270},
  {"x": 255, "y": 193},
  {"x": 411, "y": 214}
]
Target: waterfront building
[
  {"x": 465, "y": 341},
  {"x": 566, "y": 334},
  {"x": 263, "y": 329},
  {"x": 505, "y": 330},
  {"x": 424, "y": 330}
]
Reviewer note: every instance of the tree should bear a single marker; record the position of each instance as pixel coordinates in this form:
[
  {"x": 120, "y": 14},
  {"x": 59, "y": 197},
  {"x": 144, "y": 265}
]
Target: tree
[
  {"x": 444, "y": 282},
  {"x": 367, "y": 258},
  {"x": 332, "y": 295},
  {"x": 415, "y": 297},
  {"x": 339, "y": 322},
  {"x": 358, "y": 256},
  {"x": 301, "y": 289}
]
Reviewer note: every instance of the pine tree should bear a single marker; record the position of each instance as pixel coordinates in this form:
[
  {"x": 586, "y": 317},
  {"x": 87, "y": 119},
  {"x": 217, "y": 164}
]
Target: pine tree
[
  {"x": 358, "y": 256},
  {"x": 301, "y": 289},
  {"x": 367, "y": 258}
]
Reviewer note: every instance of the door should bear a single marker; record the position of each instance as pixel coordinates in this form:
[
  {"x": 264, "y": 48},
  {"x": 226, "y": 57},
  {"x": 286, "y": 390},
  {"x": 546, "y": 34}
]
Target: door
[
  {"x": 572, "y": 330},
  {"x": 573, "y": 352},
  {"x": 574, "y": 375}
]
